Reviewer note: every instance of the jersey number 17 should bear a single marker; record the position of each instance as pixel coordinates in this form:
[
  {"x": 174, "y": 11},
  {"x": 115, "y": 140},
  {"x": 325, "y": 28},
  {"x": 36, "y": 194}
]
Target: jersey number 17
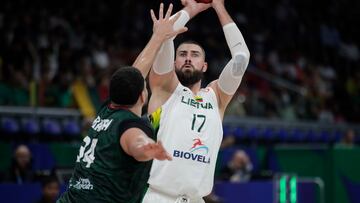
[{"x": 199, "y": 117}]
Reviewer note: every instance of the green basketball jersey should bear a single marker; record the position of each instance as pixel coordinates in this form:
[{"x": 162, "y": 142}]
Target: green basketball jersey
[{"x": 103, "y": 171}]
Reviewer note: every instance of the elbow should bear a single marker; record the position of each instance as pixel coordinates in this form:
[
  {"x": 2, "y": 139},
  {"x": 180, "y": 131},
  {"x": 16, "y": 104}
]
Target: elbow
[
  {"x": 242, "y": 58},
  {"x": 244, "y": 52},
  {"x": 141, "y": 158},
  {"x": 139, "y": 154}
]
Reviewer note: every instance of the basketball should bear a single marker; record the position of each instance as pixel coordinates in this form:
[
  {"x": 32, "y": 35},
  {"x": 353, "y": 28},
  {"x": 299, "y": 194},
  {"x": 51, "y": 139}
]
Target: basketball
[{"x": 204, "y": 1}]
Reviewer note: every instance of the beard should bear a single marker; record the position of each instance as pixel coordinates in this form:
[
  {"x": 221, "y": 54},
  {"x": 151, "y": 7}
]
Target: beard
[{"x": 189, "y": 77}]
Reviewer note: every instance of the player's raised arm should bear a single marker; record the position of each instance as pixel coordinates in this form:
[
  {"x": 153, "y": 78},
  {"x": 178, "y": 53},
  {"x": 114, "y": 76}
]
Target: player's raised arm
[
  {"x": 163, "y": 79},
  {"x": 164, "y": 63},
  {"x": 162, "y": 30},
  {"x": 232, "y": 74}
]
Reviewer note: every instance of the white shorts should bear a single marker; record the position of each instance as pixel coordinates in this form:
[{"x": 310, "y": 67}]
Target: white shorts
[{"x": 157, "y": 196}]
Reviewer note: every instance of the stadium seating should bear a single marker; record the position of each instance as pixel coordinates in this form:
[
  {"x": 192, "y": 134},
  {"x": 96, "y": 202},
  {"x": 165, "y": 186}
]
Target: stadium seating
[
  {"x": 25, "y": 193},
  {"x": 285, "y": 134},
  {"x": 51, "y": 127},
  {"x": 9, "y": 125},
  {"x": 30, "y": 126}
]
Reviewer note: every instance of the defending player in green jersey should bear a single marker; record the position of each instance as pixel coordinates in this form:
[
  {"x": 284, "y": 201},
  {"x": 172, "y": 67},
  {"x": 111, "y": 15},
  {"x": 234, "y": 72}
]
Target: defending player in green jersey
[{"x": 114, "y": 160}]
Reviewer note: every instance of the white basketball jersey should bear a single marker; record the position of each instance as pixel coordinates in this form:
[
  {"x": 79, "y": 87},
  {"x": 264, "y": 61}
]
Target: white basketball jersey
[{"x": 190, "y": 128}]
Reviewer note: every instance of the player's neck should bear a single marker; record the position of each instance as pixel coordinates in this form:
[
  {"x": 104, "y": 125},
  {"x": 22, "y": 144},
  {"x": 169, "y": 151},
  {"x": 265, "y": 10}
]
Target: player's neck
[
  {"x": 195, "y": 88},
  {"x": 136, "y": 109}
]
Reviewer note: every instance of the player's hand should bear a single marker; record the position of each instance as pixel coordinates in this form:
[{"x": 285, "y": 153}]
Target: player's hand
[
  {"x": 163, "y": 27},
  {"x": 193, "y": 8},
  {"x": 156, "y": 151}
]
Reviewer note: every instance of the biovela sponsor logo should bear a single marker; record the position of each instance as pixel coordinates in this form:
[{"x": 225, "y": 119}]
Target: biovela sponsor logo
[{"x": 198, "y": 152}]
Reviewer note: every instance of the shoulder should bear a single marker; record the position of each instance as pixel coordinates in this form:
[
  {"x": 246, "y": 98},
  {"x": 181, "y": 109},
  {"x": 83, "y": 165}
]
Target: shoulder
[
  {"x": 222, "y": 97},
  {"x": 139, "y": 123}
]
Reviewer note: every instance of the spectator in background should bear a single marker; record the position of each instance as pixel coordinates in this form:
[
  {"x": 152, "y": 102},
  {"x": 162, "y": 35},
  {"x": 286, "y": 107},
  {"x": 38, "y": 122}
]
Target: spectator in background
[
  {"x": 47, "y": 47},
  {"x": 348, "y": 139},
  {"x": 238, "y": 169},
  {"x": 228, "y": 141},
  {"x": 21, "y": 169},
  {"x": 50, "y": 190}
]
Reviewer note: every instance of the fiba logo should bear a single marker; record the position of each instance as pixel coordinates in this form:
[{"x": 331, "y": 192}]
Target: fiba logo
[{"x": 199, "y": 146}]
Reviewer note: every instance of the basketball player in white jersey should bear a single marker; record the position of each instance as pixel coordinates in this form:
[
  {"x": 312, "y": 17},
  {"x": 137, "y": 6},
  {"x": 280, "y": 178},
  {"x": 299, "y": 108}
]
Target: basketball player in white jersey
[{"x": 188, "y": 119}]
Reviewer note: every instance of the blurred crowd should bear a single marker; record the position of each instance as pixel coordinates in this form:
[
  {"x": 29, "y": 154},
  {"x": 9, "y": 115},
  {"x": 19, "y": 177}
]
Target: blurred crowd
[
  {"x": 46, "y": 48},
  {"x": 21, "y": 172}
]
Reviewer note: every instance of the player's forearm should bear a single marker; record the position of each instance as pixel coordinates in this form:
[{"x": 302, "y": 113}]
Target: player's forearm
[
  {"x": 231, "y": 76},
  {"x": 235, "y": 40},
  {"x": 137, "y": 149},
  {"x": 140, "y": 155},
  {"x": 164, "y": 61},
  {"x": 233, "y": 72},
  {"x": 147, "y": 56},
  {"x": 222, "y": 14},
  {"x": 182, "y": 20}
]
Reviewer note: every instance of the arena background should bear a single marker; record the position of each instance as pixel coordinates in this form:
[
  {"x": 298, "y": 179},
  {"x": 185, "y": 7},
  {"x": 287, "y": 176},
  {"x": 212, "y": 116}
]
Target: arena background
[{"x": 296, "y": 114}]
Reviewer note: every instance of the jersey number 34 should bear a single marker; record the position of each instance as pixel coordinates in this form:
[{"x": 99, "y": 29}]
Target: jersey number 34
[{"x": 88, "y": 155}]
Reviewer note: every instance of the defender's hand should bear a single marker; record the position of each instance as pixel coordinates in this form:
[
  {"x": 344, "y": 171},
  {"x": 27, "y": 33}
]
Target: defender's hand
[
  {"x": 156, "y": 151},
  {"x": 163, "y": 27}
]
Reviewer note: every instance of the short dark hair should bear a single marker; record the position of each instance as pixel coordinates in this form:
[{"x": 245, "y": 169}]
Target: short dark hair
[
  {"x": 126, "y": 85},
  {"x": 192, "y": 42}
]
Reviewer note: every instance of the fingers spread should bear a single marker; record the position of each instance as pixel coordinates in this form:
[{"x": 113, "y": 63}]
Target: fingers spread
[
  {"x": 153, "y": 17},
  {"x": 161, "y": 11},
  {"x": 169, "y": 11}
]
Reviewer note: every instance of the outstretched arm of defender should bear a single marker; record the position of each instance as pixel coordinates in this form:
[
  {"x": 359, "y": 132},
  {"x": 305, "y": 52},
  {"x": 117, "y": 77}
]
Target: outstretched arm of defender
[
  {"x": 231, "y": 76},
  {"x": 162, "y": 30},
  {"x": 138, "y": 145}
]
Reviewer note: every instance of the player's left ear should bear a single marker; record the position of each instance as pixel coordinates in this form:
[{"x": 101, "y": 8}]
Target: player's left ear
[
  {"x": 143, "y": 96},
  {"x": 205, "y": 66}
]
